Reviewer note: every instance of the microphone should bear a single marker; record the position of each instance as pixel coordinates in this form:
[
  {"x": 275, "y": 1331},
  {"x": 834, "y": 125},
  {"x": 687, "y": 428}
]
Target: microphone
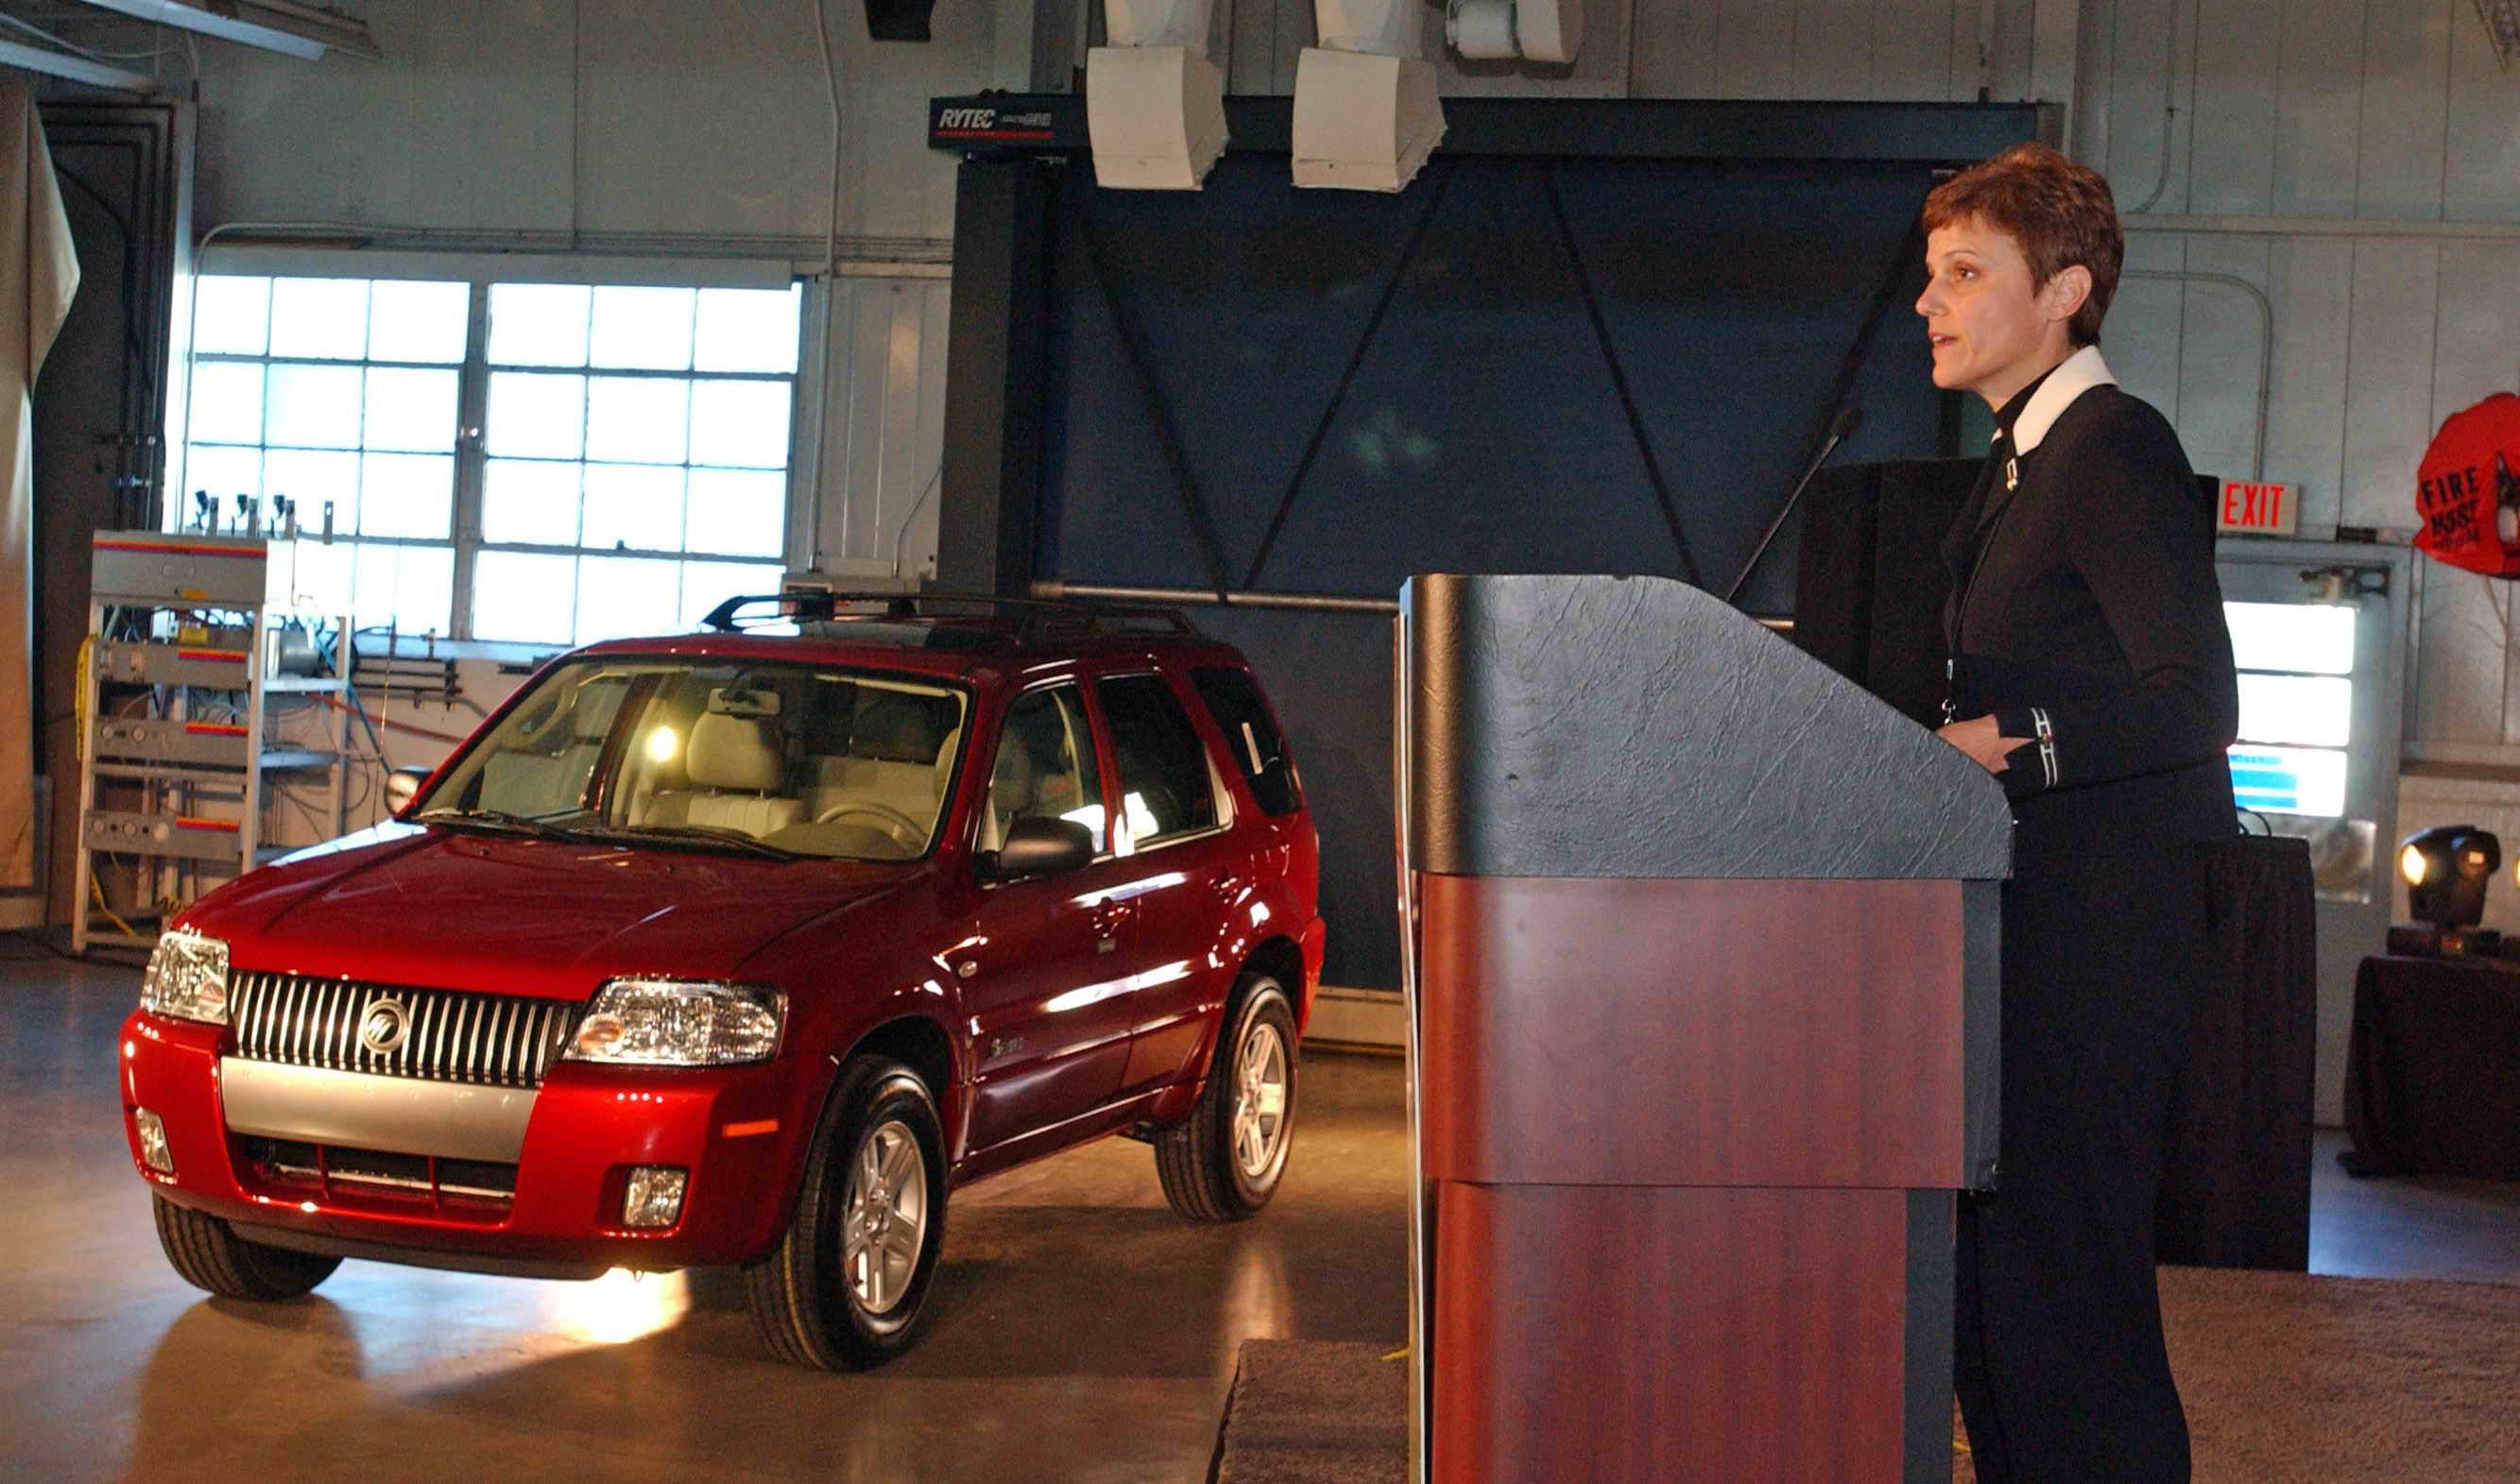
[{"x": 1840, "y": 428}]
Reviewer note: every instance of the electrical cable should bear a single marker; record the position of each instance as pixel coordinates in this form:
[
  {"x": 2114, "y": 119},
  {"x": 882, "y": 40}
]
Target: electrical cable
[
  {"x": 96, "y": 889},
  {"x": 399, "y": 726}
]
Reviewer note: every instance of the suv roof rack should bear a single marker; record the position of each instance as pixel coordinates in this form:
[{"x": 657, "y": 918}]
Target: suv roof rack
[{"x": 1026, "y": 619}]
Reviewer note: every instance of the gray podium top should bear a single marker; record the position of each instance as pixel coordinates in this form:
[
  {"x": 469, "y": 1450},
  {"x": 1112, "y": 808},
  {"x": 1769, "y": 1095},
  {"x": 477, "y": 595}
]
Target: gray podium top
[{"x": 1636, "y": 727}]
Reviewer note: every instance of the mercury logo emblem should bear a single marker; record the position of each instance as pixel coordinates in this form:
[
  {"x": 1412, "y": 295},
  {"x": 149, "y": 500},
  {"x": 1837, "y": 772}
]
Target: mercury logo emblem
[{"x": 383, "y": 1028}]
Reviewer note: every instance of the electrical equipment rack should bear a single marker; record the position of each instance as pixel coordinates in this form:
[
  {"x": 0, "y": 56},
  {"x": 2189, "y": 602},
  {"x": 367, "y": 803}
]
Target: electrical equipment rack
[{"x": 169, "y": 615}]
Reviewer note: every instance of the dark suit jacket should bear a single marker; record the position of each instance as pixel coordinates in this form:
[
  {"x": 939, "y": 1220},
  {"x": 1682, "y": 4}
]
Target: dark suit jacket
[{"x": 2085, "y": 616}]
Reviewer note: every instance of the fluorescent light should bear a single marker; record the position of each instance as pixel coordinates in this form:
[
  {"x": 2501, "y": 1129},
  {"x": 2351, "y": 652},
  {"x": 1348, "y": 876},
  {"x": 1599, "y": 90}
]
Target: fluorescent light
[
  {"x": 35, "y": 59},
  {"x": 274, "y": 25}
]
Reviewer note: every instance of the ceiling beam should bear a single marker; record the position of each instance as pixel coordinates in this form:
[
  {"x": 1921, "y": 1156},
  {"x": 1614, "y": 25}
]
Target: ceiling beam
[
  {"x": 51, "y": 63},
  {"x": 274, "y": 25}
]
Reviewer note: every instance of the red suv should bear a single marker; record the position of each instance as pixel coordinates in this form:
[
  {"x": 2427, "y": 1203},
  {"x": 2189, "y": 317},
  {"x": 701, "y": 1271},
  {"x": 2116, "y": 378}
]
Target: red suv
[{"x": 748, "y": 947}]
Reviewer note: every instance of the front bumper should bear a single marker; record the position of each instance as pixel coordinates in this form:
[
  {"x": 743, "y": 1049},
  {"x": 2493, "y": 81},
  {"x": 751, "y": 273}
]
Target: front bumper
[{"x": 739, "y": 1131}]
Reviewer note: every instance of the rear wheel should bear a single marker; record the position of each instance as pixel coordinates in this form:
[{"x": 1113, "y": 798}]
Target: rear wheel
[
  {"x": 1225, "y": 1160},
  {"x": 845, "y": 1286},
  {"x": 209, "y": 1255}
]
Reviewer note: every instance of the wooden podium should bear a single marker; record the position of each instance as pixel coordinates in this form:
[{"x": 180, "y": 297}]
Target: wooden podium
[{"x": 1701, "y": 943}]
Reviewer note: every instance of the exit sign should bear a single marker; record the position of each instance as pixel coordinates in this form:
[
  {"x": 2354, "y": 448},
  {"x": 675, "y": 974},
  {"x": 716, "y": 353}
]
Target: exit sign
[{"x": 2260, "y": 510}]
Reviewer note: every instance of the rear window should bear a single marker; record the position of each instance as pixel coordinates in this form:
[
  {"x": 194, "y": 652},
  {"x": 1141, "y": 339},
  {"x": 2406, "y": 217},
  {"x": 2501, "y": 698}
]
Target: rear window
[
  {"x": 1234, "y": 698},
  {"x": 1164, "y": 781}
]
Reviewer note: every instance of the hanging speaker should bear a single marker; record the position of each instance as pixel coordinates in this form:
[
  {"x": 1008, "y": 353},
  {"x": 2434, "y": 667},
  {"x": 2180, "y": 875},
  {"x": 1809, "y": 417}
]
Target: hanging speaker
[{"x": 898, "y": 19}]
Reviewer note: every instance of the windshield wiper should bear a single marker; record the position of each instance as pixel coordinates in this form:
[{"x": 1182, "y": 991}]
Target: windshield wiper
[
  {"x": 498, "y": 819},
  {"x": 696, "y": 835}
]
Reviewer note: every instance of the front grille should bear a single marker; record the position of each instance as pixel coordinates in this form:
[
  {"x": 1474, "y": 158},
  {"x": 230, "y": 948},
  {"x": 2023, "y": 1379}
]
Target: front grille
[
  {"x": 290, "y": 1168},
  {"x": 451, "y": 1035}
]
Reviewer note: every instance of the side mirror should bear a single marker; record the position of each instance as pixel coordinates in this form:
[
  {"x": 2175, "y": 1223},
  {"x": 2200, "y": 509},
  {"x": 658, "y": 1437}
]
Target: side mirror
[
  {"x": 402, "y": 785},
  {"x": 1042, "y": 847}
]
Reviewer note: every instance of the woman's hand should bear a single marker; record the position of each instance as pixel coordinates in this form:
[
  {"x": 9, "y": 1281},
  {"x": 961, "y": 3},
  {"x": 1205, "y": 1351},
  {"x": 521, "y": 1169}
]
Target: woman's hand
[{"x": 1983, "y": 741}]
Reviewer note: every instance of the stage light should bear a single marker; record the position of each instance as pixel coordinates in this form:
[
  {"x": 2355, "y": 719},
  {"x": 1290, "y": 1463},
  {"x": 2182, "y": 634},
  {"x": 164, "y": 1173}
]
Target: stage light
[{"x": 2447, "y": 869}]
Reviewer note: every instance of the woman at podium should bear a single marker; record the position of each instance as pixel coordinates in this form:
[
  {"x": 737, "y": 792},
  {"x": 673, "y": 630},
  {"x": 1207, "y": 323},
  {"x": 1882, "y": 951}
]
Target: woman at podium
[{"x": 2091, "y": 674}]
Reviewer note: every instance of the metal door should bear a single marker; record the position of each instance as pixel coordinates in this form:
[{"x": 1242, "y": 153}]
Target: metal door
[{"x": 2320, "y": 633}]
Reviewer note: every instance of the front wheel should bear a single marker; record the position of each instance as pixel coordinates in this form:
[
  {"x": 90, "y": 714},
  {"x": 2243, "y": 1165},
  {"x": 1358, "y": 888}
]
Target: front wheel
[
  {"x": 1225, "y": 1160},
  {"x": 844, "y": 1289},
  {"x": 209, "y": 1255}
]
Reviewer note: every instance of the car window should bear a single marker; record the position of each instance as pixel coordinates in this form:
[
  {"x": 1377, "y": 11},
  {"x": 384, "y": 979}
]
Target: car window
[
  {"x": 803, "y": 758},
  {"x": 1165, "y": 787},
  {"x": 1234, "y": 701},
  {"x": 1045, "y": 768},
  {"x": 546, "y": 754}
]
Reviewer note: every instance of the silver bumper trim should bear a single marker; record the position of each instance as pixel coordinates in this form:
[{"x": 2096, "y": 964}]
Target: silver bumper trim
[{"x": 405, "y": 1115}]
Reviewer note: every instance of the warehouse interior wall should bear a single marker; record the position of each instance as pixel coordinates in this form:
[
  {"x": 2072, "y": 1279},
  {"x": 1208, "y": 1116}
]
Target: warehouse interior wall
[{"x": 2353, "y": 161}]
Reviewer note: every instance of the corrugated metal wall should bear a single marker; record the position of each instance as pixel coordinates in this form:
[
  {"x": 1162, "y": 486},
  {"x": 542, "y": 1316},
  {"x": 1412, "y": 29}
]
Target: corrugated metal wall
[
  {"x": 885, "y": 432},
  {"x": 2363, "y": 116}
]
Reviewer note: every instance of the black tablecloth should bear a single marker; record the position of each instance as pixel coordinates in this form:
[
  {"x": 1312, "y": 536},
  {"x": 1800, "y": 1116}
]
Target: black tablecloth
[
  {"x": 2235, "y": 1184},
  {"x": 2432, "y": 1080}
]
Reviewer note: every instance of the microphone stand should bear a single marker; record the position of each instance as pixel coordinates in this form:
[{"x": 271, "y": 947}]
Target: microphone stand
[{"x": 1839, "y": 431}]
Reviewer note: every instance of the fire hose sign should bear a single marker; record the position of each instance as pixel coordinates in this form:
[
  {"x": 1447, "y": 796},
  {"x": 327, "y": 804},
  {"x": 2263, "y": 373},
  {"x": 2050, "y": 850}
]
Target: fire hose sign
[{"x": 2468, "y": 489}]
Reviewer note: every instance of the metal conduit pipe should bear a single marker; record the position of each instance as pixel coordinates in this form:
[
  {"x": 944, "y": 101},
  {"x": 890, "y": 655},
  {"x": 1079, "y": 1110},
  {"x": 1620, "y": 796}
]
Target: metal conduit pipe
[
  {"x": 2266, "y": 343},
  {"x": 1053, "y": 589}
]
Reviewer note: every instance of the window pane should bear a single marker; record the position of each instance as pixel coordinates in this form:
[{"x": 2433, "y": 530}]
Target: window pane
[
  {"x": 531, "y": 502},
  {"x": 634, "y": 505},
  {"x": 326, "y": 570},
  {"x": 739, "y": 423},
  {"x": 749, "y": 329},
  {"x": 1164, "y": 781},
  {"x": 413, "y": 410},
  {"x": 413, "y": 321},
  {"x": 2304, "y": 637},
  {"x": 537, "y": 417},
  {"x": 2312, "y": 710},
  {"x": 2288, "y": 779},
  {"x": 407, "y": 495},
  {"x": 618, "y": 596},
  {"x": 522, "y": 597},
  {"x": 225, "y": 472},
  {"x": 707, "y": 584},
  {"x": 232, "y": 316},
  {"x": 739, "y": 513},
  {"x": 413, "y": 586},
  {"x": 637, "y": 419},
  {"x": 312, "y": 479},
  {"x": 649, "y": 329},
  {"x": 325, "y": 318},
  {"x": 538, "y": 324},
  {"x": 227, "y": 402},
  {"x": 313, "y": 406}
]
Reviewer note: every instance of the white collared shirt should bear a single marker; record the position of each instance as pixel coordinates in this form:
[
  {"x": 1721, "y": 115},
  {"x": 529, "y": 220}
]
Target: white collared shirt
[{"x": 2077, "y": 374}]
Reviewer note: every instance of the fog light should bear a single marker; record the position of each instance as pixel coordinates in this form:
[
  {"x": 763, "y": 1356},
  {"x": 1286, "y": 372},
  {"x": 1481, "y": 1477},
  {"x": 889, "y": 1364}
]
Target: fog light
[
  {"x": 152, "y": 1143},
  {"x": 655, "y": 1198}
]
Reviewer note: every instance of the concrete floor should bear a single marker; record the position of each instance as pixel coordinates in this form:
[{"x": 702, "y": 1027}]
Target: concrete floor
[{"x": 1082, "y": 1332}]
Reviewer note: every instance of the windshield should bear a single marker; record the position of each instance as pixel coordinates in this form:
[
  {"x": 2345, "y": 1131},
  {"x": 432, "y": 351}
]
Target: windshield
[{"x": 717, "y": 755}]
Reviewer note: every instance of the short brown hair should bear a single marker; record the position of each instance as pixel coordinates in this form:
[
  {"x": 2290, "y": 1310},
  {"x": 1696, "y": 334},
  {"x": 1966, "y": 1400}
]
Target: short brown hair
[{"x": 2060, "y": 212}]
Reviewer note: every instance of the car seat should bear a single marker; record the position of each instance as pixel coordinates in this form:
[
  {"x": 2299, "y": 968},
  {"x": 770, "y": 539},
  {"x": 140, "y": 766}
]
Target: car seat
[{"x": 735, "y": 765}]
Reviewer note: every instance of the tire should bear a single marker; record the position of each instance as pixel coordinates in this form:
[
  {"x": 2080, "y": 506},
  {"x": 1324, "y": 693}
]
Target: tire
[
  {"x": 1224, "y": 1161},
  {"x": 209, "y": 1255},
  {"x": 820, "y": 1298}
]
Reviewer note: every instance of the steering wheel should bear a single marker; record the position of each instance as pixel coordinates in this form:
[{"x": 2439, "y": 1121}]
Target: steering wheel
[{"x": 904, "y": 829}]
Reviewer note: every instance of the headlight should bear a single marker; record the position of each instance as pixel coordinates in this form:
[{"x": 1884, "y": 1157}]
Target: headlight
[
  {"x": 186, "y": 977},
  {"x": 677, "y": 1022}
]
